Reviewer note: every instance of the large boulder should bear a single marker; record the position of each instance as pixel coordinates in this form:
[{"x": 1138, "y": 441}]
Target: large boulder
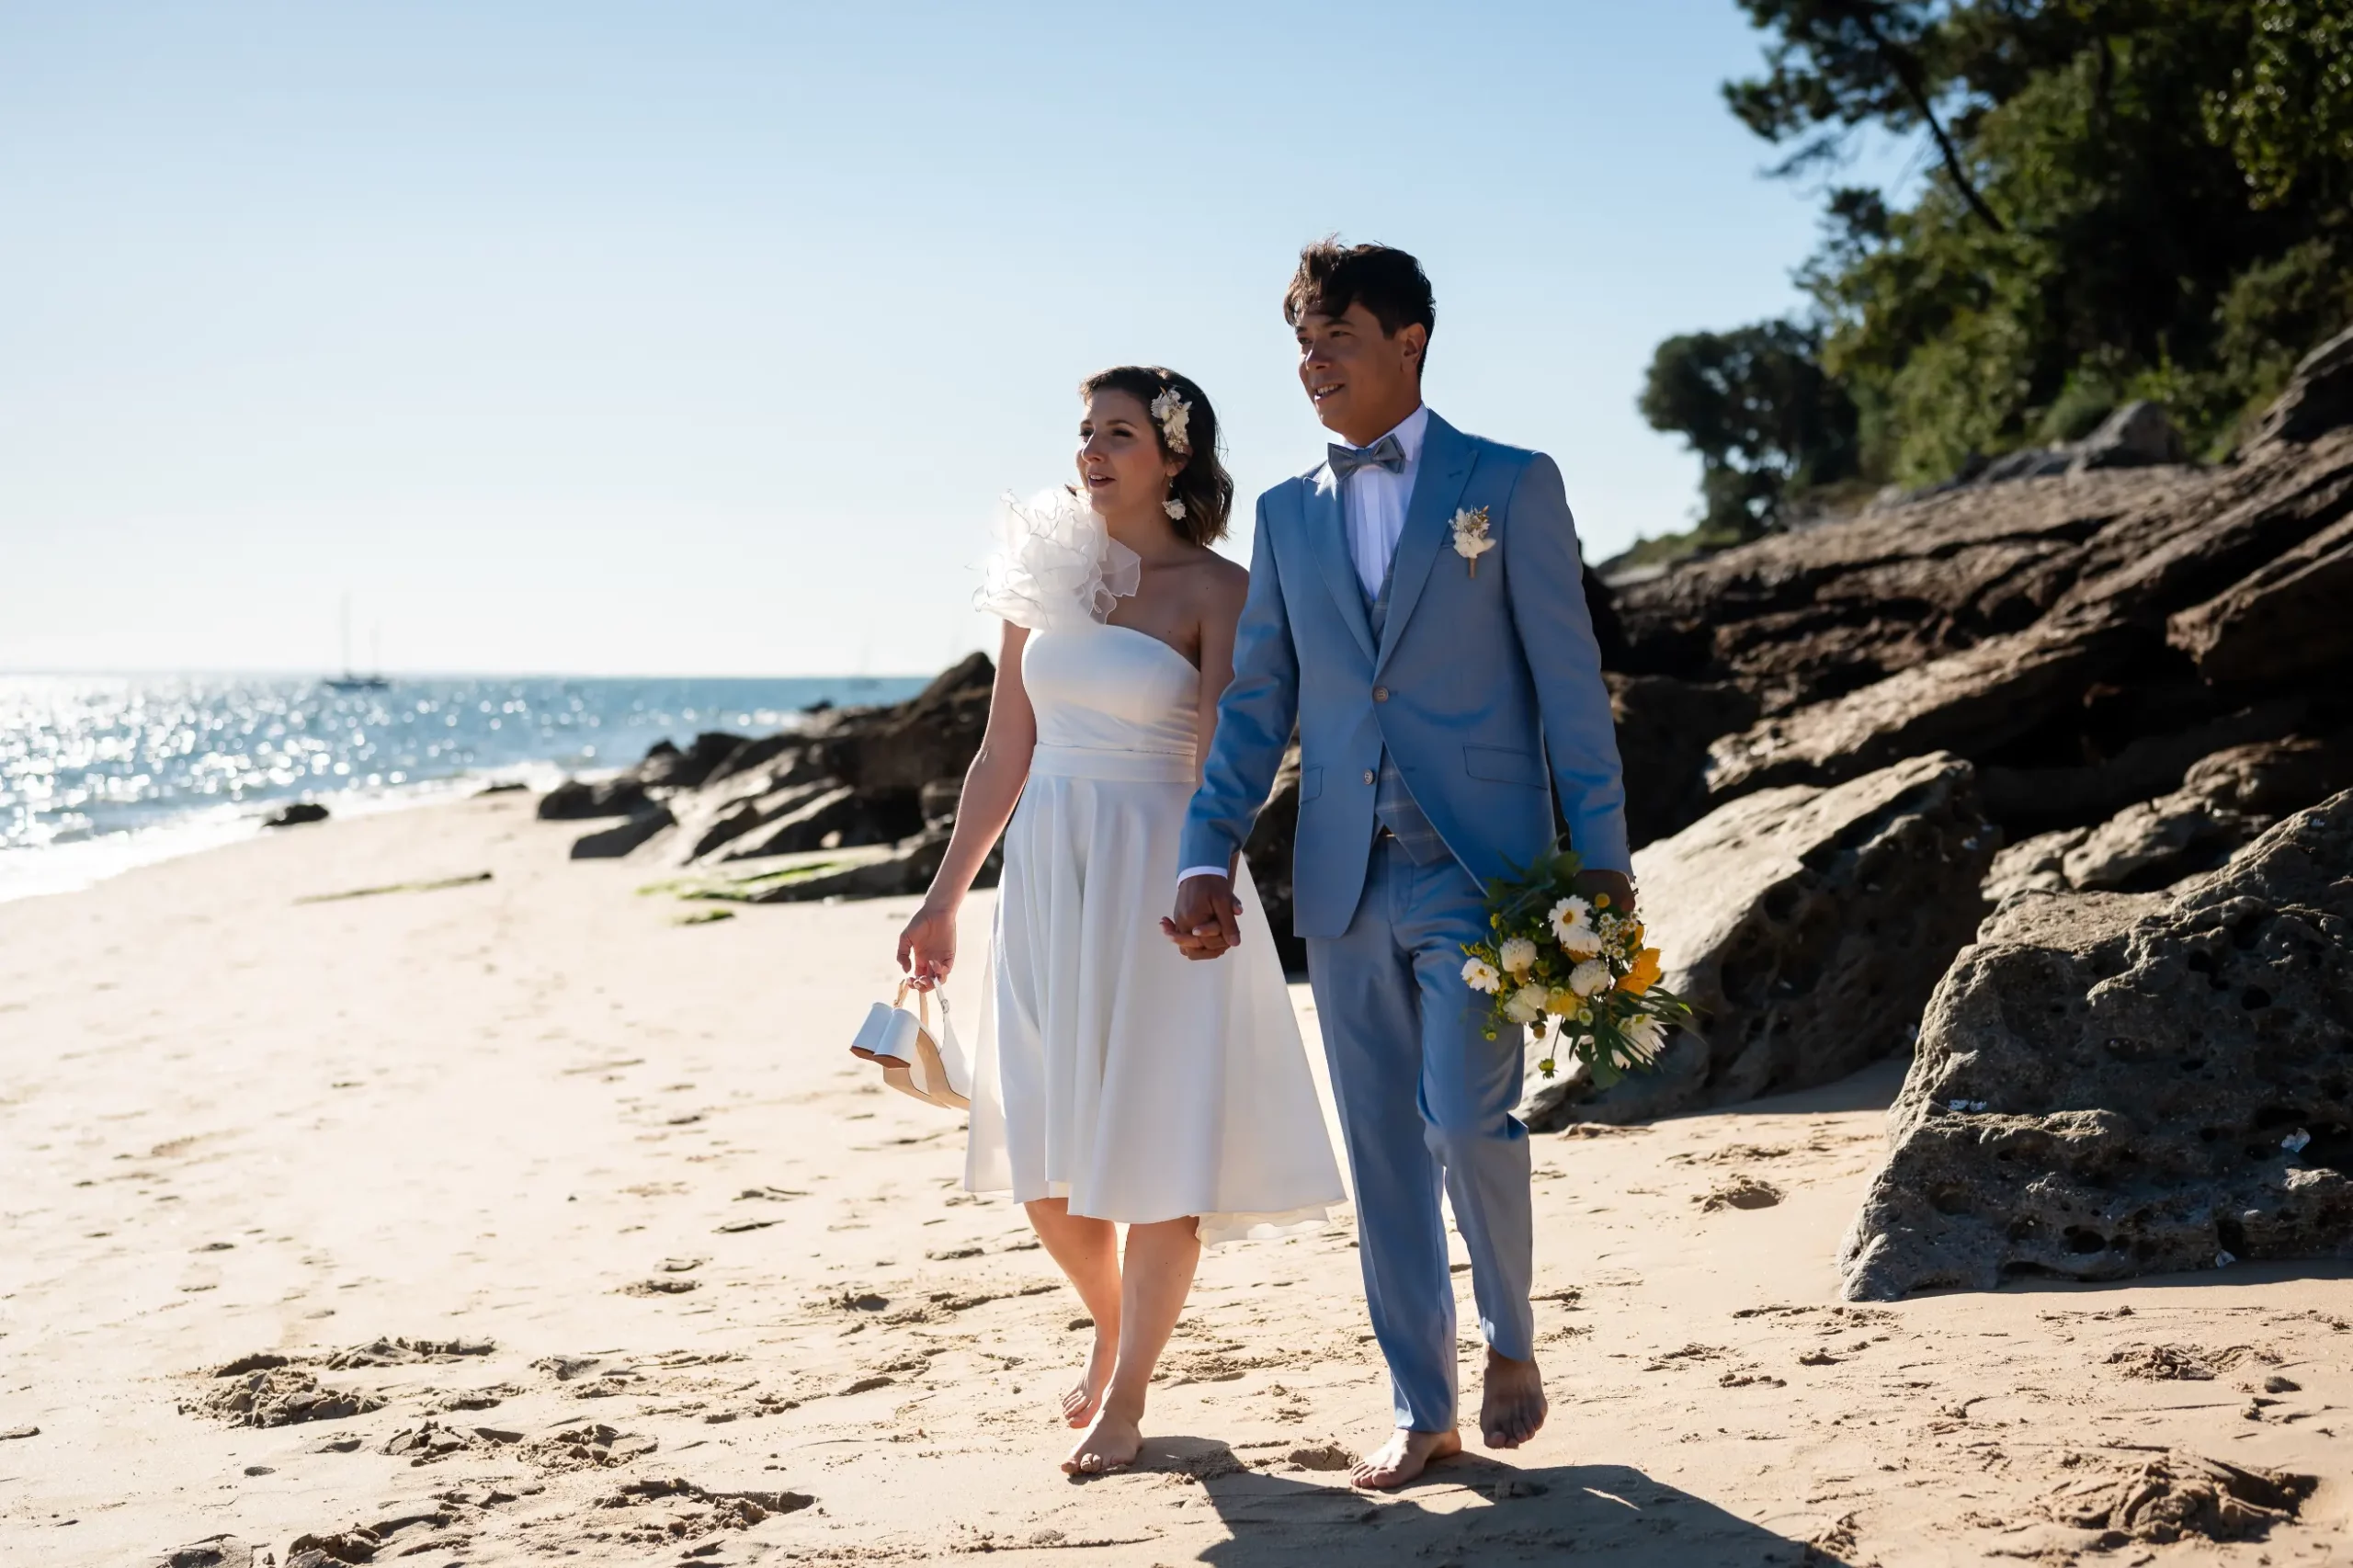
[
  {"x": 1972, "y": 703},
  {"x": 2225, "y": 799},
  {"x": 2319, "y": 397},
  {"x": 2138, "y": 435},
  {"x": 666, "y": 767},
  {"x": 2082, "y": 637},
  {"x": 2285, "y": 618},
  {"x": 845, "y": 779},
  {"x": 899, "y": 749},
  {"x": 1271, "y": 848},
  {"x": 625, "y": 837},
  {"x": 1664, "y": 725},
  {"x": 576, "y": 799},
  {"x": 2110, "y": 1085},
  {"x": 1807, "y": 926}
]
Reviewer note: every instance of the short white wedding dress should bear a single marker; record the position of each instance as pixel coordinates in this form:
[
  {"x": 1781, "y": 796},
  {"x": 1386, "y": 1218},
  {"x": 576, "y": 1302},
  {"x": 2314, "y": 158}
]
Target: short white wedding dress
[{"x": 1111, "y": 1070}]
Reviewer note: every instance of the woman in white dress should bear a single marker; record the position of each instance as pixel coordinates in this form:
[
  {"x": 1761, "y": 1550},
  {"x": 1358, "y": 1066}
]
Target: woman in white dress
[{"x": 1115, "y": 1082}]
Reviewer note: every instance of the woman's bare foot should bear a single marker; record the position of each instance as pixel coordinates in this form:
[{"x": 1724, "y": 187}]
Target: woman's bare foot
[
  {"x": 1080, "y": 1404},
  {"x": 1111, "y": 1443},
  {"x": 1513, "y": 1408},
  {"x": 1405, "y": 1457}
]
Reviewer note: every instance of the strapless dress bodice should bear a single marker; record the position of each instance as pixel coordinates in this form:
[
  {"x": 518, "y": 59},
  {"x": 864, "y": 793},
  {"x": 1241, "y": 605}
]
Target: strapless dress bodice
[{"x": 1111, "y": 702}]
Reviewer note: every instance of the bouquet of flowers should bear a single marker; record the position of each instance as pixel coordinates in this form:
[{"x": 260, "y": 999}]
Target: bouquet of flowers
[{"x": 1572, "y": 968}]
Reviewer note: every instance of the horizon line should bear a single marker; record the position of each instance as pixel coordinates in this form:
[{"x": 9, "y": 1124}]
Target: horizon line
[{"x": 397, "y": 675}]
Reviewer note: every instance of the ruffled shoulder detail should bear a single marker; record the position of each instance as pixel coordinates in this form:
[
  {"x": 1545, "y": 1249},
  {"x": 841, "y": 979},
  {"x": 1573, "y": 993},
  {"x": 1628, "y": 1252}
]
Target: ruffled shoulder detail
[{"x": 1055, "y": 565}]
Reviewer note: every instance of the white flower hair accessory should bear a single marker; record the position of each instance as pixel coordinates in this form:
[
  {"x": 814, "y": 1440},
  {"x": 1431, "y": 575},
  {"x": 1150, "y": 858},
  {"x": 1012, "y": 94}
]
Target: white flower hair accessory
[{"x": 1171, "y": 411}]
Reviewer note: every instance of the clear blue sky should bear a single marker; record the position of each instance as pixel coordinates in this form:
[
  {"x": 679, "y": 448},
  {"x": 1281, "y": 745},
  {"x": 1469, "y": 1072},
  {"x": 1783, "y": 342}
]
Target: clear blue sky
[{"x": 700, "y": 338}]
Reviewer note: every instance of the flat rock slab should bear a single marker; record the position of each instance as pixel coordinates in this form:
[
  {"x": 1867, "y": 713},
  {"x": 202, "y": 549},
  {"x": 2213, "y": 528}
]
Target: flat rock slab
[{"x": 2111, "y": 1085}]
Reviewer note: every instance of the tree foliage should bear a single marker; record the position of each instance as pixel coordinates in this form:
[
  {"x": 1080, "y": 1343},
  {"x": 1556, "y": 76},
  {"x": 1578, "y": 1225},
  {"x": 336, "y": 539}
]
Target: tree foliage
[
  {"x": 2118, "y": 198},
  {"x": 1766, "y": 421}
]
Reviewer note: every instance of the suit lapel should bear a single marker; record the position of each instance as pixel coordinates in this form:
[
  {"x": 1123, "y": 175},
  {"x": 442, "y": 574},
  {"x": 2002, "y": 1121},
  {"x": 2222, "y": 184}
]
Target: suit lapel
[
  {"x": 1327, "y": 530},
  {"x": 1447, "y": 454}
]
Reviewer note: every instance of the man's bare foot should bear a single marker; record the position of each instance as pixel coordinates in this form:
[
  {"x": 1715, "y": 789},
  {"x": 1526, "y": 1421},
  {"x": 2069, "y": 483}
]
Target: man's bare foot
[
  {"x": 1404, "y": 1456},
  {"x": 1513, "y": 1408},
  {"x": 1080, "y": 1404},
  {"x": 1111, "y": 1443}
]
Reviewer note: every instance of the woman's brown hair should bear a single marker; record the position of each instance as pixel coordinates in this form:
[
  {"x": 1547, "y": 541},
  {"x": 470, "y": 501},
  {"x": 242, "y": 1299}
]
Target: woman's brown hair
[{"x": 1203, "y": 485}]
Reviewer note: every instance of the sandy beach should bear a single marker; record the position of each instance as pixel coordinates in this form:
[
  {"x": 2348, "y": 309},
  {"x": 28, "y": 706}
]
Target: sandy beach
[{"x": 565, "y": 1216}]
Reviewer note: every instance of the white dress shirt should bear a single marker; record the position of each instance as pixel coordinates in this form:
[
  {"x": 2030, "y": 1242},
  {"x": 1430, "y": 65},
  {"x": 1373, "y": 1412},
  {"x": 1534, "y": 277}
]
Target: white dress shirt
[
  {"x": 1373, "y": 503},
  {"x": 1373, "y": 500}
]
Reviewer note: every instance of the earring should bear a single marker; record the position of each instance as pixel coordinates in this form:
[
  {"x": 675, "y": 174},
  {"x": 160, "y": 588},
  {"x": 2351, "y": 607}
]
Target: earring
[{"x": 1175, "y": 508}]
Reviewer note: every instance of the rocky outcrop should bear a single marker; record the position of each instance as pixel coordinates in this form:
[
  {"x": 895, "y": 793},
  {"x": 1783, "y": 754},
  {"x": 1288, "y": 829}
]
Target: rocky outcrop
[
  {"x": 1807, "y": 926},
  {"x": 1270, "y": 852},
  {"x": 2110, "y": 1085},
  {"x": 848, "y": 777},
  {"x": 612, "y": 843},
  {"x": 2083, "y": 637},
  {"x": 2285, "y": 618},
  {"x": 295, "y": 814},
  {"x": 2225, "y": 799},
  {"x": 577, "y": 798},
  {"x": 2138, "y": 435},
  {"x": 2319, "y": 396},
  {"x": 1664, "y": 726}
]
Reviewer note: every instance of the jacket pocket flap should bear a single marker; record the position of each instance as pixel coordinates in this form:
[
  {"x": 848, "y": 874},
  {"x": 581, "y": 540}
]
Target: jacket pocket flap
[
  {"x": 1504, "y": 766},
  {"x": 1310, "y": 783}
]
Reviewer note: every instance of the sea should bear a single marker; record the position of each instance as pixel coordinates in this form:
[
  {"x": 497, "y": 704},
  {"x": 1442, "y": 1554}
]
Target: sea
[{"x": 101, "y": 773}]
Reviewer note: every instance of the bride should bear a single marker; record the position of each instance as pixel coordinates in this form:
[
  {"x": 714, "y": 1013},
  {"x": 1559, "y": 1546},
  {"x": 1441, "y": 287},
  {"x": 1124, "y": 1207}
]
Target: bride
[{"x": 1095, "y": 1101}]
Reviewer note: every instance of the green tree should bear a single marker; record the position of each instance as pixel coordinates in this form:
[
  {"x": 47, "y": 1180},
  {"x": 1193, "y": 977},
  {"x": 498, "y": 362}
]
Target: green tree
[
  {"x": 2120, "y": 199},
  {"x": 2287, "y": 115},
  {"x": 1766, "y": 421}
]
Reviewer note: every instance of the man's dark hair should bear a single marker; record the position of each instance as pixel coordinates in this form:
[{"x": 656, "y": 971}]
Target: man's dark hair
[{"x": 1385, "y": 280}]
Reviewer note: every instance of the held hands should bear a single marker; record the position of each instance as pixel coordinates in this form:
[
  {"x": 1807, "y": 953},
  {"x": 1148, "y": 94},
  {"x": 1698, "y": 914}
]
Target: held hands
[
  {"x": 927, "y": 947},
  {"x": 1207, "y": 919}
]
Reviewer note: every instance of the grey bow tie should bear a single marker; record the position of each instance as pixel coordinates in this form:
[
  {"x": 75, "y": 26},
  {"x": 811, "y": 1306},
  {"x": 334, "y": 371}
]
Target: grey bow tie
[{"x": 1385, "y": 453}]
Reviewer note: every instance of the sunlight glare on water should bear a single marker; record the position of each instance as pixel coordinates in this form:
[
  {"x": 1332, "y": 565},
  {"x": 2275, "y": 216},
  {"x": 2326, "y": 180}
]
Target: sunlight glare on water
[{"x": 125, "y": 768}]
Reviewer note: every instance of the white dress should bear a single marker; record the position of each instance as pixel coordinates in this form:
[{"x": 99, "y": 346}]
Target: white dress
[{"x": 1111, "y": 1070}]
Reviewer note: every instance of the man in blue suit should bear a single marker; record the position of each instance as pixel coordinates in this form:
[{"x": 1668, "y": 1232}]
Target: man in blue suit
[{"x": 1416, "y": 607}]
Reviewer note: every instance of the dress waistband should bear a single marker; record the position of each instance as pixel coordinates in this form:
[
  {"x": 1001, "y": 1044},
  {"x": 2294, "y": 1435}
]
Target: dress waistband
[{"x": 1120, "y": 766}]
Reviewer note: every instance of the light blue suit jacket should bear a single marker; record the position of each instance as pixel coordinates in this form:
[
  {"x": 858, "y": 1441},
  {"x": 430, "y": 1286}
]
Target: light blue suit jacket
[{"x": 1486, "y": 689}]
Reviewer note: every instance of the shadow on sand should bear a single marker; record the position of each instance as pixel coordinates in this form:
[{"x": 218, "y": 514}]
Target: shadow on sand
[{"x": 1470, "y": 1510}]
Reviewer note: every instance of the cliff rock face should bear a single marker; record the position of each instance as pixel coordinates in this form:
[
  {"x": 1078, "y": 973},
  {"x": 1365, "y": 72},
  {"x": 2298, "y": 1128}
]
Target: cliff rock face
[
  {"x": 1807, "y": 924},
  {"x": 2083, "y": 637},
  {"x": 2109, "y": 1084}
]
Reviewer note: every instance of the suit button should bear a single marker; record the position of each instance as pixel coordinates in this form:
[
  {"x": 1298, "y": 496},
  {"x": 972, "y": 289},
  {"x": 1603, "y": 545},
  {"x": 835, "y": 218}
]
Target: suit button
[
  {"x": 1369, "y": 776},
  {"x": 1381, "y": 694}
]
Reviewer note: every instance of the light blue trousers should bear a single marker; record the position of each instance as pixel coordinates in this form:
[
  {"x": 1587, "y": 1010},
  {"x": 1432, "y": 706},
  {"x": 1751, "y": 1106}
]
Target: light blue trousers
[{"x": 1426, "y": 1104}]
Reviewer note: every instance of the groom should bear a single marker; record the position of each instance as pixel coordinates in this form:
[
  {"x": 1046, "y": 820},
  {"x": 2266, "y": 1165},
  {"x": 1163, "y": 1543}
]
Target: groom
[{"x": 1417, "y": 606}]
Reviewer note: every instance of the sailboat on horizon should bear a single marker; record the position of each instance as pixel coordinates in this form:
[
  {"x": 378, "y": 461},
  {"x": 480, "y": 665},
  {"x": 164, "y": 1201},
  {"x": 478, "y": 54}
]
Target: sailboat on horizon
[{"x": 348, "y": 681}]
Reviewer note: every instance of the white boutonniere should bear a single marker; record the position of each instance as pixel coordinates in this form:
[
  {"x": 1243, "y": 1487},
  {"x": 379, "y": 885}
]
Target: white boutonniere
[{"x": 1471, "y": 540}]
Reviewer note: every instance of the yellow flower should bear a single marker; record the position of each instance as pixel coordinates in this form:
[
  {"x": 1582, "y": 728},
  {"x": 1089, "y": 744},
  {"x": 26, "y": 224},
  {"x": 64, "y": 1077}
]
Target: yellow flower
[{"x": 1643, "y": 975}]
